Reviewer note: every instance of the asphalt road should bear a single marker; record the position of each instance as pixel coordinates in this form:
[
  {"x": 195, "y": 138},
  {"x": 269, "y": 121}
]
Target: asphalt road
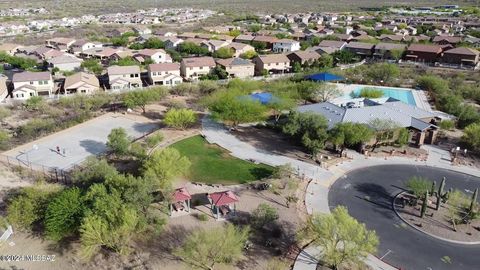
[{"x": 368, "y": 195}]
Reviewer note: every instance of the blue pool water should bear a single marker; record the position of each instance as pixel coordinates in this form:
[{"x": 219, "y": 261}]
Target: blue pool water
[{"x": 402, "y": 95}]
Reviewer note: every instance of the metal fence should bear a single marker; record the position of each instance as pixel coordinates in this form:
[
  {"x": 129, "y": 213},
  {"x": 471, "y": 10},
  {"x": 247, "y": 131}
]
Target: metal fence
[{"x": 50, "y": 174}]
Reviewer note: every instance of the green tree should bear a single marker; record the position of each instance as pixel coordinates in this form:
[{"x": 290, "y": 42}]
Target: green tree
[
  {"x": 297, "y": 67},
  {"x": 397, "y": 54},
  {"x": 180, "y": 118},
  {"x": 278, "y": 105},
  {"x": 432, "y": 83},
  {"x": 325, "y": 61},
  {"x": 402, "y": 137},
  {"x": 28, "y": 207},
  {"x": 223, "y": 53},
  {"x": 384, "y": 129},
  {"x": 350, "y": 134},
  {"x": 206, "y": 249},
  {"x": 248, "y": 54},
  {"x": 344, "y": 57},
  {"x": 341, "y": 237},
  {"x": 418, "y": 186},
  {"x": 93, "y": 66},
  {"x": 309, "y": 128},
  {"x": 233, "y": 109},
  {"x": 118, "y": 141},
  {"x": 64, "y": 214},
  {"x": 471, "y": 136},
  {"x": 163, "y": 165},
  {"x": 126, "y": 61},
  {"x": 154, "y": 43},
  {"x": 36, "y": 103},
  {"x": 142, "y": 98},
  {"x": 382, "y": 72},
  {"x": 4, "y": 139},
  {"x": 234, "y": 33},
  {"x": 110, "y": 223},
  {"x": 325, "y": 92},
  {"x": 94, "y": 171},
  {"x": 190, "y": 48},
  {"x": 259, "y": 46},
  {"x": 263, "y": 215}
]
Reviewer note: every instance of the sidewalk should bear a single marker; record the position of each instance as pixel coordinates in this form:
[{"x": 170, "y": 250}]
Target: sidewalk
[{"x": 317, "y": 192}]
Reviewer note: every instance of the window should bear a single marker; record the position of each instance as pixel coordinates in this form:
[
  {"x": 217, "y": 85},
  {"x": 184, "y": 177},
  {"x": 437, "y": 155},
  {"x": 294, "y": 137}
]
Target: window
[
  {"x": 31, "y": 94},
  {"x": 201, "y": 68},
  {"x": 83, "y": 91},
  {"x": 31, "y": 82},
  {"x": 131, "y": 75}
]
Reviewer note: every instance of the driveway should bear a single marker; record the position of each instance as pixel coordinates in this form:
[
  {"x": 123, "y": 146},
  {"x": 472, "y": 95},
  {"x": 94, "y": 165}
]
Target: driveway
[{"x": 368, "y": 194}]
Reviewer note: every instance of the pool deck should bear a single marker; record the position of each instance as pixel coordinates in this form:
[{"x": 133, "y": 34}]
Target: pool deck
[{"x": 419, "y": 96}]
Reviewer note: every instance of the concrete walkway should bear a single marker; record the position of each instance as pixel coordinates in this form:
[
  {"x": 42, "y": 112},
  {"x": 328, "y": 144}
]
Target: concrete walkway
[{"x": 317, "y": 192}]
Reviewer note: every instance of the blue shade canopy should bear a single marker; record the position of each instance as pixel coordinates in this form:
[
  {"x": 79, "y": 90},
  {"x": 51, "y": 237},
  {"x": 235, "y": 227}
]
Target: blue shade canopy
[
  {"x": 264, "y": 98},
  {"x": 324, "y": 77}
]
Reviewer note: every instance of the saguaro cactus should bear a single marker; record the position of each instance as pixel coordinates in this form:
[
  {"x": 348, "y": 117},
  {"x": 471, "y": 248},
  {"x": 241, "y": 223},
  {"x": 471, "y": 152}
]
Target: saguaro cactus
[
  {"x": 424, "y": 205},
  {"x": 474, "y": 200},
  {"x": 434, "y": 186},
  {"x": 440, "y": 193}
]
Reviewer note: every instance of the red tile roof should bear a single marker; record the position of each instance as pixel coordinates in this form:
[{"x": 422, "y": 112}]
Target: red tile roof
[
  {"x": 223, "y": 198},
  {"x": 181, "y": 194}
]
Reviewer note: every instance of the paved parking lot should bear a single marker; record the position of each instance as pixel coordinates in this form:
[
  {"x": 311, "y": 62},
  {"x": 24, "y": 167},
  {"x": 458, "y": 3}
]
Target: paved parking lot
[{"x": 79, "y": 142}]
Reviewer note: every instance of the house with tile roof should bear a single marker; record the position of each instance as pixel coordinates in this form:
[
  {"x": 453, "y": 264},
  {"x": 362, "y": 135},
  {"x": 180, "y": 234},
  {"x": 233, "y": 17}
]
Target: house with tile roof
[
  {"x": 81, "y": 82},
  {"x": 237, "y": 67},
  {"x": 384, "y": 50},
  {"x": 271, "y": 63},
  {"x": 194, "y": 67},
  {"x": 423, "y": 53},
  {"x": 164, "y": 74},
  {"x": 124, "y": 77},
  {"x": 66, "y": 62},
  {"x": 29, "y": 84},
  {"x": 361, "y": 49},
  {"x": 461, "y": 56},
  {"x": 240, "y": 48},
  {"x": 303, "y": 57}
]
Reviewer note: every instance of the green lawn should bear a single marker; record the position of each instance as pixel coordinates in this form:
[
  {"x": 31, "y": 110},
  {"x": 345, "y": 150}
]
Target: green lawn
[{"x": 212, "y": 164}]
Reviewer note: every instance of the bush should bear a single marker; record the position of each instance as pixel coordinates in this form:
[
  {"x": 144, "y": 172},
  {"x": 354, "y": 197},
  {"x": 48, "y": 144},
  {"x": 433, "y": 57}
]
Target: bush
[
  {"x": 370, "y": 93},
  {"x": 64, "y": 214},
  {"x": 36, "y": 128},
  {"x": 202, "y": 217},
  {"x": 177, "y": 104},
  {"x": 263, "y": 215},
  {"x": 4, "y": 113},
  {"x": 184, "y": 89},
  {"x": 447, "y": 124},
  {"x": 28, "y": 208},
  {"x": 180, "y": 118},
  {"x": 418, "y": 186},
  {"x": 118, "y": 141},
  {"x": 154, "y": 139},
  {"x": 4, "y": 139},
  {"x": 471, "y": 136}
]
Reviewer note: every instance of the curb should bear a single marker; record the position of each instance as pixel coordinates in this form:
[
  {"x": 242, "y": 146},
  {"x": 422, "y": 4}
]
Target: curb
[{"x": 427, "y": 233}]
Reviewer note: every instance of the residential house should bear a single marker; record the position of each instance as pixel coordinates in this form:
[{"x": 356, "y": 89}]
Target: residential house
[
  {"x": 60, "y": 43},
  {"x": 244, "y": 39},
  {"x": 10, "y": 48},
  {"x": 82, "y": 45},
  {"x": 271, "y": 63},
  {"x": 267, "y": 40},
  {"x": 303, "y": 57},
  {"x": 237, "y": 67},
  {"x": 286, "y": 45},
  {"x": 416, "y": 120},
  {"x": 154, "y": 55},
  {"x": 240, "y": 48},
  {"x": 172, "y": 42},
  {"x": 142, "y": 30},
  {"x": 472, "y": 41},
  {"x": 337, "y": 45},
  {"x": 391, "y": 38},
  {"x": 29, "y": 84},
  {"x": 447, "y": 40},
  {"x": 103, "y": 54},
  {"x": 360, "y": 48},
  {"x": 164, "y": 33},
  {"x": 194, "y": 67},
  {"x": 124, "y": 77},
  {"x": 384, "y": 50},
  {"x": 461, "y": 56},
  {"x": 423, "y": 53},
  {"x": 66, "y": 62},
  {"x": 164, "y": 74},
  {"x": 213, "y": 45},
  {"x": 81, "y": 82},
  {"x": 343, "y": 37}
]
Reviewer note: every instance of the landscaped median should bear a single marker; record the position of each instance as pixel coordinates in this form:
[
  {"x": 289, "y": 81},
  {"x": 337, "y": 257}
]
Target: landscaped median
[{"x": 214, "y": 165}]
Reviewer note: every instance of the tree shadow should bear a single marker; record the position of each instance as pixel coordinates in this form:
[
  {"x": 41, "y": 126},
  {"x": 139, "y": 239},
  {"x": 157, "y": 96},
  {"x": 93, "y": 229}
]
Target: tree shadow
[
  {"x": 144, "y": 127},
  {"x": 261, "y": 173},
  {"x": 164, "y": 245},
  {"x": 93, "y": 147},
  {"x": 378, "y": 196}
]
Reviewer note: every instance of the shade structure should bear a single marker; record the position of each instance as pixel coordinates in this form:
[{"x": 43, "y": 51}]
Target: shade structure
[
  {"x": 264, "y": 98},
  {"x": 324, "y": 77},
  {"x": 181, "y": 194},
  {"x": 223, "y": 198}
]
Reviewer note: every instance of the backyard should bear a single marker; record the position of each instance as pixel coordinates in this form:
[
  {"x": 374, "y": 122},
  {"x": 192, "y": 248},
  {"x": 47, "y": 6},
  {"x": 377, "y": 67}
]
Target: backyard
[{"x": 213, "y": 165}]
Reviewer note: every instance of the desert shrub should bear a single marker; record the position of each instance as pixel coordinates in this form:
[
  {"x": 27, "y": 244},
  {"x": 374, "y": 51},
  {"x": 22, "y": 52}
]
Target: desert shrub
[{"x": 154, "y": 139}]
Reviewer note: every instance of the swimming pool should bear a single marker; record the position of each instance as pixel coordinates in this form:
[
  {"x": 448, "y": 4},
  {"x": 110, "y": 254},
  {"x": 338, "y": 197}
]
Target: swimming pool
[{"x": 404, "y": 95}]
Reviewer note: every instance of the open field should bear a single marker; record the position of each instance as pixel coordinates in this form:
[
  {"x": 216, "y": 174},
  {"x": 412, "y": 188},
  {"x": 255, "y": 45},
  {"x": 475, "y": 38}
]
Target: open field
[
  {"x": 212, "y": 164},
  {"x": 71, "y": 7},
  {"x": 79, "y": 142}
]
